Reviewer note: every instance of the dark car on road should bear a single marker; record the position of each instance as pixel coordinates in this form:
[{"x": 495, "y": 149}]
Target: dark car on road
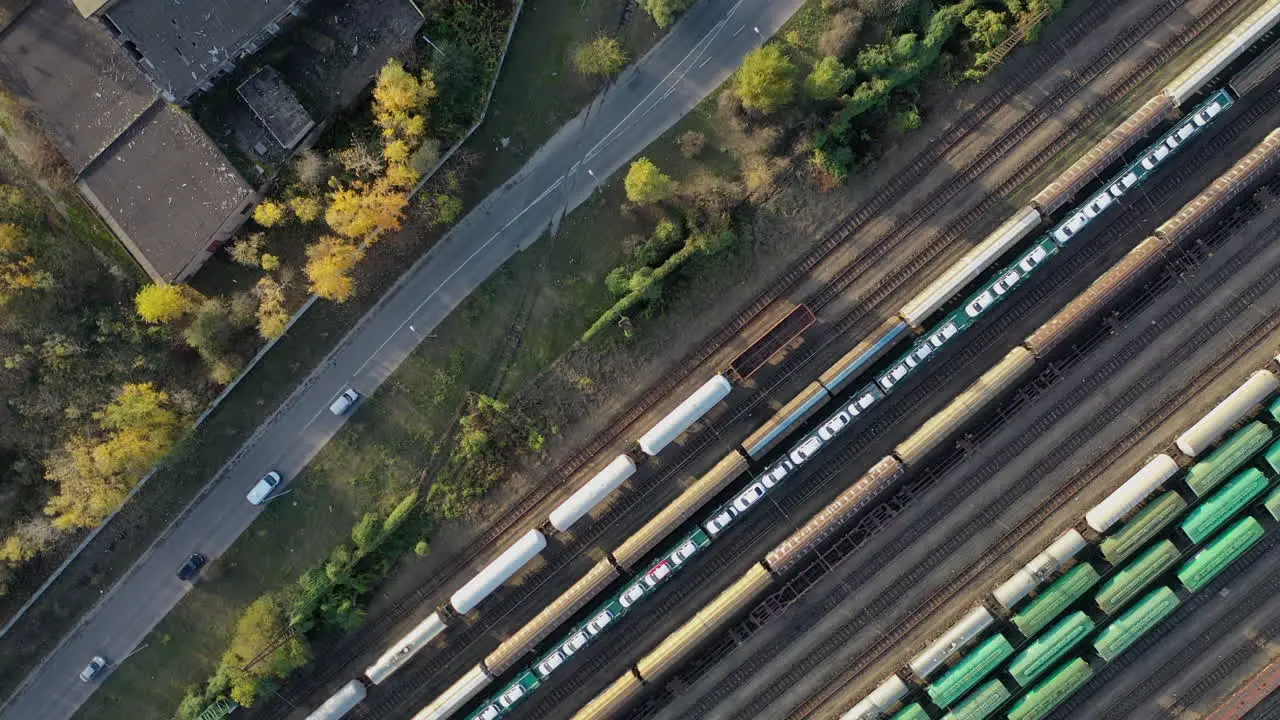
[{"x": 191, "y": 568}]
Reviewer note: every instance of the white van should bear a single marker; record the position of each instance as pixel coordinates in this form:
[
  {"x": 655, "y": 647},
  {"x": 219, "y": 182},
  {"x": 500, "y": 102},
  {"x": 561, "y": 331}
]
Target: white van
[{"x": 263, "y": 489}]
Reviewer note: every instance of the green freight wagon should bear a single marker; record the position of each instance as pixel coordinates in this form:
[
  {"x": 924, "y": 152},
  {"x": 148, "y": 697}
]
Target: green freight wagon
[
  {"x": 1055, "y": 598},
  {"x": 1049, "y": 694},
  {"x": 976, "y": 665},
  {"x": 911, "y": 712},
  {"x": 1219, "y": 507},
  {"x": 1273, "y": 457},
  {"x": 1143, "y": 526},
  {"x": 1219, "y": 553},
  {"x": 1273, "y": 504},
  {"x": 1236, "y": 451},
  {"x": 1119, "y": 635},
  {"x": 1274, "y": 409},
  {"x": 1133, "y": 578},
  {"x": 1053, "y": 644},
  {"x": 984, "y": 701}
]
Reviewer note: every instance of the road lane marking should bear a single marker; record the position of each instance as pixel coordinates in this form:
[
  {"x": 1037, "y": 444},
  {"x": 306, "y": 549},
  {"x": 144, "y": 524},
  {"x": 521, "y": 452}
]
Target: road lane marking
[
  {"x": 457, "y": 270},
  {"x": 715, "y": 29}
]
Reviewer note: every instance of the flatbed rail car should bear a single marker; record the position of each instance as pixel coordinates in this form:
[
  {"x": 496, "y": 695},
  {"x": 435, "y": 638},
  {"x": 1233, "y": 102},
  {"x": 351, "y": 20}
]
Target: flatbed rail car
[
  {"x": 912, "y": 449},
  {"x": 861, "y": 357}
]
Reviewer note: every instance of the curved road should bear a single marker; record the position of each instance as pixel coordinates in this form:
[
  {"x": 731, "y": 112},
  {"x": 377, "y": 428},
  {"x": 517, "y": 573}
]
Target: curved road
[{"x": 699, "y": 53}]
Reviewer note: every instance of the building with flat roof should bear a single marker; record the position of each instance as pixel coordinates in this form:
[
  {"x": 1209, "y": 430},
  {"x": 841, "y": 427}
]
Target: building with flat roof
[
  {"x": 157, "y": 179},
  {"x": 167, "y": 192},
  {"x": 182, "y": 46}
]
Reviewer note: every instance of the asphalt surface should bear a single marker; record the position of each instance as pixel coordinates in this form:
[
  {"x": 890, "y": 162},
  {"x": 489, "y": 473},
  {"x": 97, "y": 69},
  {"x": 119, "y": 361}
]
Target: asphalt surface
[{"x": 695, "y": 57}]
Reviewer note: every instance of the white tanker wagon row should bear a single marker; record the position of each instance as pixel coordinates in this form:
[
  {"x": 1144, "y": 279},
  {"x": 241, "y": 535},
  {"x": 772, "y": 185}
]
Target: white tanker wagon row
[
  {"x": 912, "y": 450},
  {"x": 829, "y": 385},
  {"x": 528, "y": 546},
  {"x": 1119, "y": 505}
]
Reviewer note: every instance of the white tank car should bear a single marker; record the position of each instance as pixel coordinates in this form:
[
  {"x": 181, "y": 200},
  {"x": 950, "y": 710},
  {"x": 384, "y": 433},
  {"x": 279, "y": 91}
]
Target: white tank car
[
  {"x": 1210, "y": 428},
  {"x": 498, "y": 572},
  {"x": 405, "y": 648},
  {"x": 588, "y": 496},
  {"x": 1041, "y": 567},
  {"x": 686, "y": 413},
  {"x": 879, "y": 701},
  {"x": 341, "y": 702},
  {"x": 966, "y": 629},
  {"x": 1138, "y": 487}
]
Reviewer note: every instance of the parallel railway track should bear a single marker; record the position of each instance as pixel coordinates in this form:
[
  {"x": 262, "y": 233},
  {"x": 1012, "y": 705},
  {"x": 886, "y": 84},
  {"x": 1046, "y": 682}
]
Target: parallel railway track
[
  {"x": 382, "y": 627},
  {"x": 877, "y": 516},
  {"x": 1046, "y": 511},
  {"x": 1242, "y": 606}
]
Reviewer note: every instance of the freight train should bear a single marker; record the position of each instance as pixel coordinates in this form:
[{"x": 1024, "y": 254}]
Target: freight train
[
  {"x": 911, "y": 451},
  {"x": 831, "y": 384},
  {"x": 1227, "y": 493}
]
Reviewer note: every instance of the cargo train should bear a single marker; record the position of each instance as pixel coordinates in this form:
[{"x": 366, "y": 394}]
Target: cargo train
[
  {"x": 528, "y": 546},
  {"x": 912, "y": 450},
  {"x": 829, "y": 385},
  {"x": 1221, "y": 502}
]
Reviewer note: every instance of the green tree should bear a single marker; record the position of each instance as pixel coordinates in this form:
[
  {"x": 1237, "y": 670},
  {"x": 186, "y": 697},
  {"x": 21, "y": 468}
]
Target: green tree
[
  {"x": 766, "y": 80},
  {"x": 665, "y": 12},
  {"x": 645, "y": 183},
  {"x": 907, "y": 120},
  {"x": 829, "y": 78},
  {"x": 212, "y": 334},
  {"x": 263, "y": 648},
  {"x": 987, "y": 29},
  {"x": 617, "y": 281},
  {"x": 367, "y": 533},
  {"x": 603, "y": 57}
]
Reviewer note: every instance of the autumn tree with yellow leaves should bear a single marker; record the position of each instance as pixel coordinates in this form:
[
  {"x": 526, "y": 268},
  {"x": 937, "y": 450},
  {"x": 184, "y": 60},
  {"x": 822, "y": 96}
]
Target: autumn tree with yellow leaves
[
  {"x": 95, "y": 472},
  {"x": 163, "y": 303},
  {"x": 18, "y": 270},
  {"x": 273, "y": 316},
  {"x": 400, "y": 99},
  {"x": 366, "y": 210},
  {"x": 329, "y": 265}
]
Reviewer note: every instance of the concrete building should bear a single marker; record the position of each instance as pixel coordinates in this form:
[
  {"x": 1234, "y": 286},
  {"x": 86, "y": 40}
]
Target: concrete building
[
  {"x": 156, "y": 178},
  {"x": 182, "y": 46}
]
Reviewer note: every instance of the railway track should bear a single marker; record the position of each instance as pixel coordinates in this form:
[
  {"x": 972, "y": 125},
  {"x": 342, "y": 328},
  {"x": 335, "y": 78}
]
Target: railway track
[
  {"x": 837, "y": 465},
  {"x": 787, "y": 594},
  {"x": 889, "y": 640},
  {"x": 1244, "y": 606},
  {"x": 381, "y": 627}
]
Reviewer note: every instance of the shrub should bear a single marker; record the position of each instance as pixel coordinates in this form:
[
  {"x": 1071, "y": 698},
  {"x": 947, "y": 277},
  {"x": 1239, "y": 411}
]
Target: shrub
[
  {"x": 766, "y": 80},
  {"x": 829, "y": 78},
  {"x": 691, "y": 143},
  {"x": 602, "y": 57},
  {"x": 645, "y": 183}
]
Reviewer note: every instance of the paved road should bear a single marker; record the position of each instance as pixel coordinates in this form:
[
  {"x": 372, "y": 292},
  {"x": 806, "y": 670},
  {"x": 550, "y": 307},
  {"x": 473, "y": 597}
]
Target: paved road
[{"x": 695, "y": 57}]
